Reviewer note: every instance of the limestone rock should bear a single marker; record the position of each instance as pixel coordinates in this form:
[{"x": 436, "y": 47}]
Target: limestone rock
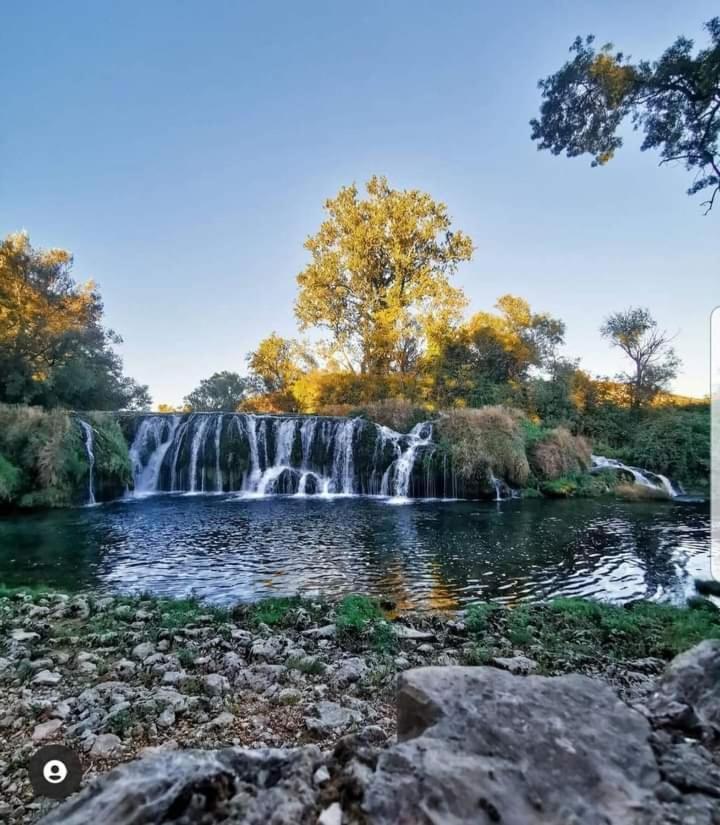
[
  {"x": 46, "y": 730},
  {"x": 105, "y": 744},
  {"x": 688, "y": 693},
  {"x": 519, "y": 665},
  {"x": 516, "y": 751},
  {"x": 47, "y": 678},
  {"x": 255, "y": 787}
]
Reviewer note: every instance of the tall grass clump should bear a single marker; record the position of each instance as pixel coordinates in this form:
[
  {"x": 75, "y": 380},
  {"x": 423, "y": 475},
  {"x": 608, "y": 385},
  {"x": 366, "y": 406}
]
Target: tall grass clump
[
  {"x": 484, "y": 442},
  {"x": 558, "y": 453},
  {"x": 47, "y": 450}
]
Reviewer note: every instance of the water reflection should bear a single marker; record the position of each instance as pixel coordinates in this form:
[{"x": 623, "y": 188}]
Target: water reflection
[{"x": 434, "y": 555}]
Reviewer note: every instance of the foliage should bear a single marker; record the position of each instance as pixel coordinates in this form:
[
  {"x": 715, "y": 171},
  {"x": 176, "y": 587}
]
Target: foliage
[
  {"x": 275, "y": 611},
  {"x": 484, "y": 442},
  {"x": 639, "y": 492},
  {"x": 355, "y": 614},
  {"x": 675, "y": 101},
  {"x": 223, "y": 391},
  {"x": 557, "y": 453},
  {"x": 54, "y": 350},
  {"x": 653, "y": 360},
  {"x": 676, "y": 444},
  {"x": 399, "y": 414},
  {"x": 483, "y": 359},
  {"x": 568, "y": 633},
  {"x": 580, "y": 485},
  {"x": 378, "y": 281},
  {"x": 10, "y": 477}
]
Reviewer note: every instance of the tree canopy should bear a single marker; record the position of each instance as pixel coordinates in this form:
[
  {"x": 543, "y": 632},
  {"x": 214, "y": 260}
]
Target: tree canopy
[
  {"x": 654, "y": 362},
  {"x": 54, "y": 350},
  {"x": 378, "y": 280},
  {"x": 222, "y": 391},
  {"x": 675, "y": 101}
]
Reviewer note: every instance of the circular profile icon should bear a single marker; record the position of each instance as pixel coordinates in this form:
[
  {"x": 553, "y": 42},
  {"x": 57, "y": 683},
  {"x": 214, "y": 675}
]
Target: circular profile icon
[{"x": 55, "y": 771}]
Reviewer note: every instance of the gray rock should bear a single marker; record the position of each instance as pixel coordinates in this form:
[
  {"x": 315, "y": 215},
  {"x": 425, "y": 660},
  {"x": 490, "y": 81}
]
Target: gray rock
[
  {"x": 166, "y": 718},
  {"x": 233, "y": 785},
  {"x": 519, "y": 665},
  {"x": 331, "y": 816},
  {"x": 143, "y": 650},
  {"x": 46, "y": 730},
  {"x": 404, "y": 632},
  {"x": 47, "y": 678},
  {"x": 690, "y": 768},
  {"x": 222, "y": 720},
  {"x": 268, "y": 650},
  {"x": 350, "y": 670},
  {"x": 688, "y": 693},
  {"x": 24, "y": 636},
  {"x": 327, "y": 631},
  {"x": 232, "y": 663},
  {"x": 329, "y": 717},
  {"x": 105, "y": 745},
  {"x": 125, "y": 668},
  {"x": 488, "y": 744},
  {"x": 215, "y": 684}
]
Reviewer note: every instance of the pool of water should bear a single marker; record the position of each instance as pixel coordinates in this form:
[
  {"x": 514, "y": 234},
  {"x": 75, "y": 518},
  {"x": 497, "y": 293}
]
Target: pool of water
[{"x": 426, "y": 554}]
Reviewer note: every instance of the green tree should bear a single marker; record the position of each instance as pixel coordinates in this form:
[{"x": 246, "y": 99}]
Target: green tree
[
  {"x": 654, "y": 362},
  {"x": 675, "y": 101},
  {"x": 222, "y": 391},
  {"x": 378, "y": 281},
  {"x": 54, "y": 350}
]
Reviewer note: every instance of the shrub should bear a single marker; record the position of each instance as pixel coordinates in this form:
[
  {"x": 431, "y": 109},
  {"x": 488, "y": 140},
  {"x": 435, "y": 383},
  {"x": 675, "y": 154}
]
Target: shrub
[
  {"x": 10, "y": 477},
  {"x": 485, "y": 441},
  {"x": 355, "y": 613},
  {"x": 559, "y": 453},
  {"x": 639, "y": 492},
  {"x": 399, "y": 414}
]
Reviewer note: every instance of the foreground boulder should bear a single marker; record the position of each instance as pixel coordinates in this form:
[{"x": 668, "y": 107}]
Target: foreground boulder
[
  {"x": 482, "y": 745},
  {"x": 475, "y": 745},
  {"x": 255, "y": 787}
]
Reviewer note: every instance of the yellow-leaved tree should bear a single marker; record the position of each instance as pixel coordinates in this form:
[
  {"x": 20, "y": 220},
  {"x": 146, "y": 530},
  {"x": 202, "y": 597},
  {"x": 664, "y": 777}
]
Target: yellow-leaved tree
[{"x": 378, "y": 280}]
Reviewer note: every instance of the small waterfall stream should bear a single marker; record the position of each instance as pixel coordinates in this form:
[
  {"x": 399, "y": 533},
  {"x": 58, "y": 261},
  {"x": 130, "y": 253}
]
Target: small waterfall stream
[
  {"x": 90, "y": 452},
  {"x": 644, "y": 478}
]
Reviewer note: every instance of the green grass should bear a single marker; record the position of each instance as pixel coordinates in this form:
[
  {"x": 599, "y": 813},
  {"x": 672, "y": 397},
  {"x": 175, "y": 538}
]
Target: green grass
[
  {"x": 568, "y": 633},
  {"x": 274, "y": 611},
  {"x": 356, "y": 612}
]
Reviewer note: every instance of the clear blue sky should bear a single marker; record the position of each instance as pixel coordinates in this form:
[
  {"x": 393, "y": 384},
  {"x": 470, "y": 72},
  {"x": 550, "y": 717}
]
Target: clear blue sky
[{"x": 183, "y": 151}]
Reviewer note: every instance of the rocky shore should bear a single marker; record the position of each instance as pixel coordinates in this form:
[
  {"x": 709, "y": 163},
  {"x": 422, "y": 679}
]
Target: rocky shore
[{"x": 311, "y": 689}]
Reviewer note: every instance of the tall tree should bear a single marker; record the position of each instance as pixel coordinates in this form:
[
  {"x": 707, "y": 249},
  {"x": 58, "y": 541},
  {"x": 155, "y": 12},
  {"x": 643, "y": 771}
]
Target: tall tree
[
  {"x": 674, "y": 100},
  {"x": 654, "y": 362},
  {"x": 54, "y": 350},
  {"x": 222, "y": 391},
  {"x": 378, "y": 281}
]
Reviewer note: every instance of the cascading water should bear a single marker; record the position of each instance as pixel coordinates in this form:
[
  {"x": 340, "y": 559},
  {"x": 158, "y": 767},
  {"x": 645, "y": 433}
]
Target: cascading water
[
  {"x": 260, "y": 455},
  {"x": 90, "y": 452},
  {"x": 645, "y": 478}
]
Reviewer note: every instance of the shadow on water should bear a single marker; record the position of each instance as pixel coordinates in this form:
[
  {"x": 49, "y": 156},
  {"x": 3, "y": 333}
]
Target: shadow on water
[{"x": 430, "y": 554}]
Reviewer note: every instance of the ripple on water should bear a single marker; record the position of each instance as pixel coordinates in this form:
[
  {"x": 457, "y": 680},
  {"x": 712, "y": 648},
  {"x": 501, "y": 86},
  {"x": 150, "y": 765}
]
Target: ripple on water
[{"x": 433, "y": 554}]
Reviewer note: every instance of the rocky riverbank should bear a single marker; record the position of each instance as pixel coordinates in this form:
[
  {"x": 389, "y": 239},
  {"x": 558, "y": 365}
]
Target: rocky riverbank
[{"x": 116, "y": 678}]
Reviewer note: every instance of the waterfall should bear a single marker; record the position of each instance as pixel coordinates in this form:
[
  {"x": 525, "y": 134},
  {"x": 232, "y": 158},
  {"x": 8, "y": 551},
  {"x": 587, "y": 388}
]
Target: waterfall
[
  {"x": 400, "y": 471},
  {"x": 90, "y": 452},
  {"x": 197, "y": 443},
  {"x": 218, "y": 470},
  {"x": 153, "y": 439},
  {"x": 645, "y": 478},
  {"x": 259, "y": 455}
]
